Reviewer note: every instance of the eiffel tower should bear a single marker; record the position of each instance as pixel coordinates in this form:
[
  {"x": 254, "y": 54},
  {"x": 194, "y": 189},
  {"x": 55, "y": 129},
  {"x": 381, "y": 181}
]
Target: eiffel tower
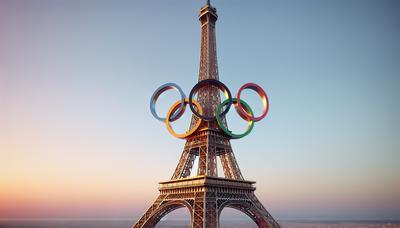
[{"x": 207, "y": 194}]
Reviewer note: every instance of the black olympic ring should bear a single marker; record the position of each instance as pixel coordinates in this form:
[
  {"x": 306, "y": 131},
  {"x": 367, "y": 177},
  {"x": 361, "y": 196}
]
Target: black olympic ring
[{"x": 219, "y": 85}]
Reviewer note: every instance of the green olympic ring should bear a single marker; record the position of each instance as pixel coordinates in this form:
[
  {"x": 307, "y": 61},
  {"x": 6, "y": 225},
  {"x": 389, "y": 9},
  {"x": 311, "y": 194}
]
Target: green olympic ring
[{"x": 225, "y": 129}]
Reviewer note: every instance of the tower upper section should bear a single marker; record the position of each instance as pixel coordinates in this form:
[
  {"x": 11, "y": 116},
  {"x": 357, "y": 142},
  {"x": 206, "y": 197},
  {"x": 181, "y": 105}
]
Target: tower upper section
[
  {"x": 208, "y": 97},
  {"x": 208, "y": 51}
]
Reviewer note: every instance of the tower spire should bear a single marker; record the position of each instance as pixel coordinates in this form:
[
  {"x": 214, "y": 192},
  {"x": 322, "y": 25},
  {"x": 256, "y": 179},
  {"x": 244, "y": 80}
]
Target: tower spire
[
  {"x": 208, "y": 98},
  {"x": 208, "y": 51}
]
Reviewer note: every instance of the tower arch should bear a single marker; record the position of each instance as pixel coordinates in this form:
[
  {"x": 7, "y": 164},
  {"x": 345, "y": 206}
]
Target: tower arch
[
  {"x": 247, "y": 208},
  {"x": 165, "y": 209}
]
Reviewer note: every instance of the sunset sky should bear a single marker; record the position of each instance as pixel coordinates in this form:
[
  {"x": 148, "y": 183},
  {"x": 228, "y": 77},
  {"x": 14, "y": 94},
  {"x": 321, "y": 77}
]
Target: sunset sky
[{"x": 77, "y": 138}]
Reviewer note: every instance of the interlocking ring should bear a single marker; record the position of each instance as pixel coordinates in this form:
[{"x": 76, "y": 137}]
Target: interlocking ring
[
  {"x": 174, "y": 108},
  {"x": 179, "y": 107},
  {"x": 157, "y": 94},
  {"x": 209, "y": 82},
  {"x": 225, "y": 129},
  {"x": 240, "y": 108}
]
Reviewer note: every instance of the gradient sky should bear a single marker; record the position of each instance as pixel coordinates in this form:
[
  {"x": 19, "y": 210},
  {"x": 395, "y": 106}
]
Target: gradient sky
[{"x": 77, "y": 138}]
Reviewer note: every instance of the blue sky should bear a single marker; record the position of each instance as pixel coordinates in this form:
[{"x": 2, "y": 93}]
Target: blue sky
[{"x": 76, "y": 78}]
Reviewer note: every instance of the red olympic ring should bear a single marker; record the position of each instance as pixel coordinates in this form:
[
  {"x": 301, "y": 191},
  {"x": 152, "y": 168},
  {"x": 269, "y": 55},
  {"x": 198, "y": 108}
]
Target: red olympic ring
[{"x": 264, "y": 98}]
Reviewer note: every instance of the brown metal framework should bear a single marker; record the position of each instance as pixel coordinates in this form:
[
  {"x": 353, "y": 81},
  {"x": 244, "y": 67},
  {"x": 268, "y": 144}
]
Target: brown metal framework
[{"x": 206, "y": 194}]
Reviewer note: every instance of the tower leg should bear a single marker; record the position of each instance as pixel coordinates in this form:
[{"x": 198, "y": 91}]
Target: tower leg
[
  {"x": 161, "y": 207},
  {"x": 249, "y": 205},
  {"x": 265, "y": 217},
  {"x": 205, "y": 212},
  {"x": 230, "y": 166},
  {"x": 145, "y": 220}
]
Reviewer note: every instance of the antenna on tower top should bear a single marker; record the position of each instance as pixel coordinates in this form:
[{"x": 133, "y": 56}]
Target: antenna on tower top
[{"x": 208, "y": 3}]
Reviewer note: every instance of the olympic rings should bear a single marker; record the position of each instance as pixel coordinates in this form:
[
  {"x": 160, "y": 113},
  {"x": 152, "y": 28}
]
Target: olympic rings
[
  {"x": 239, "y": 107},
  {"x": 225, "y": 129},
  {"x": 173, "y": 110},
  {"x": 179, "y": 107},
  {"x": 161, "y": 90},
  {"x": 209, "y": 82}
]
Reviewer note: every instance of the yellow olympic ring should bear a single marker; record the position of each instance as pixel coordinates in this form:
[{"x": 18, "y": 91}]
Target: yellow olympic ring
[{"x": 173, "y": 109}]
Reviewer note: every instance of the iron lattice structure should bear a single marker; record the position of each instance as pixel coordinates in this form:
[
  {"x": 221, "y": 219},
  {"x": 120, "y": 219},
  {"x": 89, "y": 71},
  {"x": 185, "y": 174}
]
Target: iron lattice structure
[{"x": 207, "y": 194}]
